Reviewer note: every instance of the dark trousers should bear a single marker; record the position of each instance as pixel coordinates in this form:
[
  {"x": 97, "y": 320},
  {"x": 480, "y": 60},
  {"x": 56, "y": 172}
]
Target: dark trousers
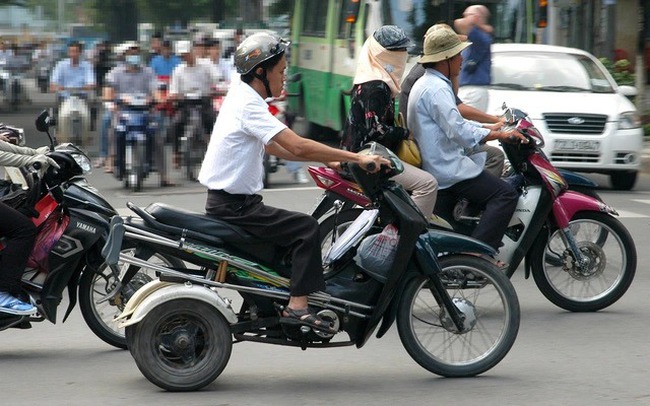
[
  {"x": 287, "y": 229},
  {"x": 20, "y": 233},
  {"x": 495, "y": 197}
]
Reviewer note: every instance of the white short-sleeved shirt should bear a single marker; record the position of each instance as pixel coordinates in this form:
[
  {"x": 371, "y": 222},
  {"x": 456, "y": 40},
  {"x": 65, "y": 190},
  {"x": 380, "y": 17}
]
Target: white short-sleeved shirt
[
  {"x": 196, "y": 78},
  {"x": 234, "y": 161}
]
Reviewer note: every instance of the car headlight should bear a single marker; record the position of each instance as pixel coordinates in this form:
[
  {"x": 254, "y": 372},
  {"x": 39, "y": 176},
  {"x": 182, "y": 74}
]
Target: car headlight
[
  {"x": 83, "y": 162},
  {"x": 629, "y": 119}
]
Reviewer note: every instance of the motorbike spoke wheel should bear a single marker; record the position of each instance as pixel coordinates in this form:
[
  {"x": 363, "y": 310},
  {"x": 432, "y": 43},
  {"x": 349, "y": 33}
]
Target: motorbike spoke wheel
[
  {"x": 331, "y": 229},
  {"x": 181, "y": 345},
  {"x": 491, "y": 312},
  {"x": 95, "y": 286},
  {"x": 607, "y": 274}
]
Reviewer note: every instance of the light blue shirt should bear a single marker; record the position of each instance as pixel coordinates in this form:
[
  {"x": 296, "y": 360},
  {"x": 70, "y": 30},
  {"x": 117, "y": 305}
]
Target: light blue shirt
[
  {"x": 445, "y": 138},
  {"x": 66, "y": 75},
  {"x": 164, "y": 66}
]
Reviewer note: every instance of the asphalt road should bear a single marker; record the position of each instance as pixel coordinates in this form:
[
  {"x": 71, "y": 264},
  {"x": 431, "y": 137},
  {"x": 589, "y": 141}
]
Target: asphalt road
[{"x": 559, "y": 357}]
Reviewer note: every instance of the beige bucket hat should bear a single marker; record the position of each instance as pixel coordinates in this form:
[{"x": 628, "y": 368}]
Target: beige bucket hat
[{"x": 440, "y": 43}]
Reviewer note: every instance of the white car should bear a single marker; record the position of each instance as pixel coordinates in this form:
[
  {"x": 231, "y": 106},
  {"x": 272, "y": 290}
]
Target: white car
[{"x": 587, "y": 121}]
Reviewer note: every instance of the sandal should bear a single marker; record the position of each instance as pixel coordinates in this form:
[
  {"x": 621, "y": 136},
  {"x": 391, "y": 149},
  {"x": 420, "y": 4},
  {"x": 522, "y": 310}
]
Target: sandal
[{"x": 307, "y": 318}]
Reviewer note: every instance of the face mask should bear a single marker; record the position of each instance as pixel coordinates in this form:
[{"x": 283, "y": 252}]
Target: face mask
[{"x": 133, "y": 60}]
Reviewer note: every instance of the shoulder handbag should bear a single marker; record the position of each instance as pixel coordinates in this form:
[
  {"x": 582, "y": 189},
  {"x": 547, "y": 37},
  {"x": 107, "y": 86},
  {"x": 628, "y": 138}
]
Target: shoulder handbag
[{"x": 408, "y": 150}]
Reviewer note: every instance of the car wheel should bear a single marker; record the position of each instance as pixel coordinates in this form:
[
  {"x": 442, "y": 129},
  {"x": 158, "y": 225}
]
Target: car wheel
[{"x": 623, "y": 180}]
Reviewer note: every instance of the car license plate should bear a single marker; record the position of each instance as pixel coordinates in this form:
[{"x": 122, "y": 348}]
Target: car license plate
[{"x": 577, "y": 145}]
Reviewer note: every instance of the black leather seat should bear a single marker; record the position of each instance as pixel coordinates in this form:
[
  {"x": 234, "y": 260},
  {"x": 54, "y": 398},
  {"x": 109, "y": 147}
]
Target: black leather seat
[{"x": 201, "y": 223}]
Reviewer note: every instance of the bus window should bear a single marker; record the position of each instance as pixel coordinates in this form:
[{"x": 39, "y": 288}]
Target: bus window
[
  {"x": 348, "y": 19},
  {"x": 315, "y": 21}
]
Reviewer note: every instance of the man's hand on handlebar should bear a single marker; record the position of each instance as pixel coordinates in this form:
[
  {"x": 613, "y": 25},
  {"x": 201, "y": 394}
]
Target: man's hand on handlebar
[
  {"x": 512, "y": 136},
  {"x": 373, "y": 163}
]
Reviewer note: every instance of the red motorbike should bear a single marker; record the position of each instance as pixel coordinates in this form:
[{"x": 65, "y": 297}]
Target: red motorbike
[{"x": 580, "y": 256}]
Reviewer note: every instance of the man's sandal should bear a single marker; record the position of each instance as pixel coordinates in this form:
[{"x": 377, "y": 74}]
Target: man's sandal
[{"x": 307, "y": 318}]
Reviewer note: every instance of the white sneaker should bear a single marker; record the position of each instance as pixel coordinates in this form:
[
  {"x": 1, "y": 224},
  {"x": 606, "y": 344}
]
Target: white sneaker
[
  {"x": 10, "y": 304},
  {"x": 300, "y": 177}
]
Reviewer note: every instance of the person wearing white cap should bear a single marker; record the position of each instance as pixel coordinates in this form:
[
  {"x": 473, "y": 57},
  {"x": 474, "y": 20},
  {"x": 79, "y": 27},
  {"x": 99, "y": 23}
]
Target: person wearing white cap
[
  {"x": 190, "y": 77},
  {"x": 447, "y": 141}
]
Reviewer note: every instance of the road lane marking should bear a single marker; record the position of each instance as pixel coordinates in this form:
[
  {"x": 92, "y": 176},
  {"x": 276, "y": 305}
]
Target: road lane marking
[{"x": 645, "y": 201}]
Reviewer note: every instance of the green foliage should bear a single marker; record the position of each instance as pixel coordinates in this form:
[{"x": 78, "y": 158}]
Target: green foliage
[
  {"x": 620, "y": 71},
  {"x": 646, "y": 130}
]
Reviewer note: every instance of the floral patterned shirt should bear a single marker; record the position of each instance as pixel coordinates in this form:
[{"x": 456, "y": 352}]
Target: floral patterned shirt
[{"x": 372, "y": 118}]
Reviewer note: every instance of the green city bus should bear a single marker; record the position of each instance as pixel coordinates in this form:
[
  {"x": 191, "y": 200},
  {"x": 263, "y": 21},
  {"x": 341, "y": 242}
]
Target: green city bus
[{"x": 326, "y": 37}]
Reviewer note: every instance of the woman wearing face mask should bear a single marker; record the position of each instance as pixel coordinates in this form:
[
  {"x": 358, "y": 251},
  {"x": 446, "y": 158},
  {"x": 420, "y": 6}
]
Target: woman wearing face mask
[{"x": 372, "y": 113}]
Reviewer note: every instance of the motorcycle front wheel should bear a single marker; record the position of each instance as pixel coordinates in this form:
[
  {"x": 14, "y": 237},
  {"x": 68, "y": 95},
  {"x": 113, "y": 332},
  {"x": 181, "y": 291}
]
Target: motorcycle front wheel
[
  {"x": 95, "y": 286},
  {"x": 611, "y": 263},
  {"x": 140, "y": 159},
  {"x": 490, "y": 307},
  {"x": 181, "y": 345}
]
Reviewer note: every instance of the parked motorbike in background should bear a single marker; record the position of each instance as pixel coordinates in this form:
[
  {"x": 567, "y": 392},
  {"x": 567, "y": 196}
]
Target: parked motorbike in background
[
  {"x": 43, "y": 73},
  {"x": 580, "y": 256},
  {"x": 73, "y": 122},
  {"x": 12, "y": 75},
  {"x": 134, "y": 134}
]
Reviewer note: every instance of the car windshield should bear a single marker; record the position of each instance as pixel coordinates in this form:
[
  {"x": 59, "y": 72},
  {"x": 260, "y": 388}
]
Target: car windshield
[{"x": 546, "y": 71}]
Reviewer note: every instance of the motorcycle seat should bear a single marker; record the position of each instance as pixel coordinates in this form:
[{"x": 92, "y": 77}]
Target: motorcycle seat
[{"x": 201, "y": 223}]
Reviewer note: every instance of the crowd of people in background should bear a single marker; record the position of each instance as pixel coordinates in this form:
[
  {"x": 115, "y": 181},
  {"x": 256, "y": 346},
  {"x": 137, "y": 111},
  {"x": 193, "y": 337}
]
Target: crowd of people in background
[{"x": 181, "y": 65}]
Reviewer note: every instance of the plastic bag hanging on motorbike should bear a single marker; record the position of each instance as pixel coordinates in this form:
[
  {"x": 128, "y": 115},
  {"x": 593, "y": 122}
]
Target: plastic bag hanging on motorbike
[
  {"x": 48, "y": 236},
  {"x": 377, "y": 252}
]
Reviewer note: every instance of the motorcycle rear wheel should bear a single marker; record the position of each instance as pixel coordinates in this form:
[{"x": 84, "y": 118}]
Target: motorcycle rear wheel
[
  {"x": 181, "y": 345},
  {"x": 490, "y": 304},
  {"x": 612, "y": 263},
  {"x": 95, "y": 286}
]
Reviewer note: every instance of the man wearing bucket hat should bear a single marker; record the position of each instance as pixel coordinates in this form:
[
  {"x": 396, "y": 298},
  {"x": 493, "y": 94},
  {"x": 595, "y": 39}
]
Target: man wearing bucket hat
[
  {"x": 495, "y": 160},
  {"x": 447, "y": 141}
]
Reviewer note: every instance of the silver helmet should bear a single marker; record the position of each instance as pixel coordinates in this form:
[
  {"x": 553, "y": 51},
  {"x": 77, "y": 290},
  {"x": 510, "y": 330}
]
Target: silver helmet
[{"x": 256, "y": 49}]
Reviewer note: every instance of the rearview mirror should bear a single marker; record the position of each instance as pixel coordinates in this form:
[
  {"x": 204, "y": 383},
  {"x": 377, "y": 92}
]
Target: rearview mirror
[
  {"x": 43, "y": 121},
  {"x": 629, "y": 91}
]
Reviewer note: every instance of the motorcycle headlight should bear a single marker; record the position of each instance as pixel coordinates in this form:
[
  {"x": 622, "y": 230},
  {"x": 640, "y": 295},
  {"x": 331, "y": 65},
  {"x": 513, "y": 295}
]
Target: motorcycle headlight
[
  {"x": 84, "y": 162},
  {"x": 629, "y": 119}
]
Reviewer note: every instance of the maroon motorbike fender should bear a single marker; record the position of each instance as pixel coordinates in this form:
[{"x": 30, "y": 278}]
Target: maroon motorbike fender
[{"x": 569, "y": 203}]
